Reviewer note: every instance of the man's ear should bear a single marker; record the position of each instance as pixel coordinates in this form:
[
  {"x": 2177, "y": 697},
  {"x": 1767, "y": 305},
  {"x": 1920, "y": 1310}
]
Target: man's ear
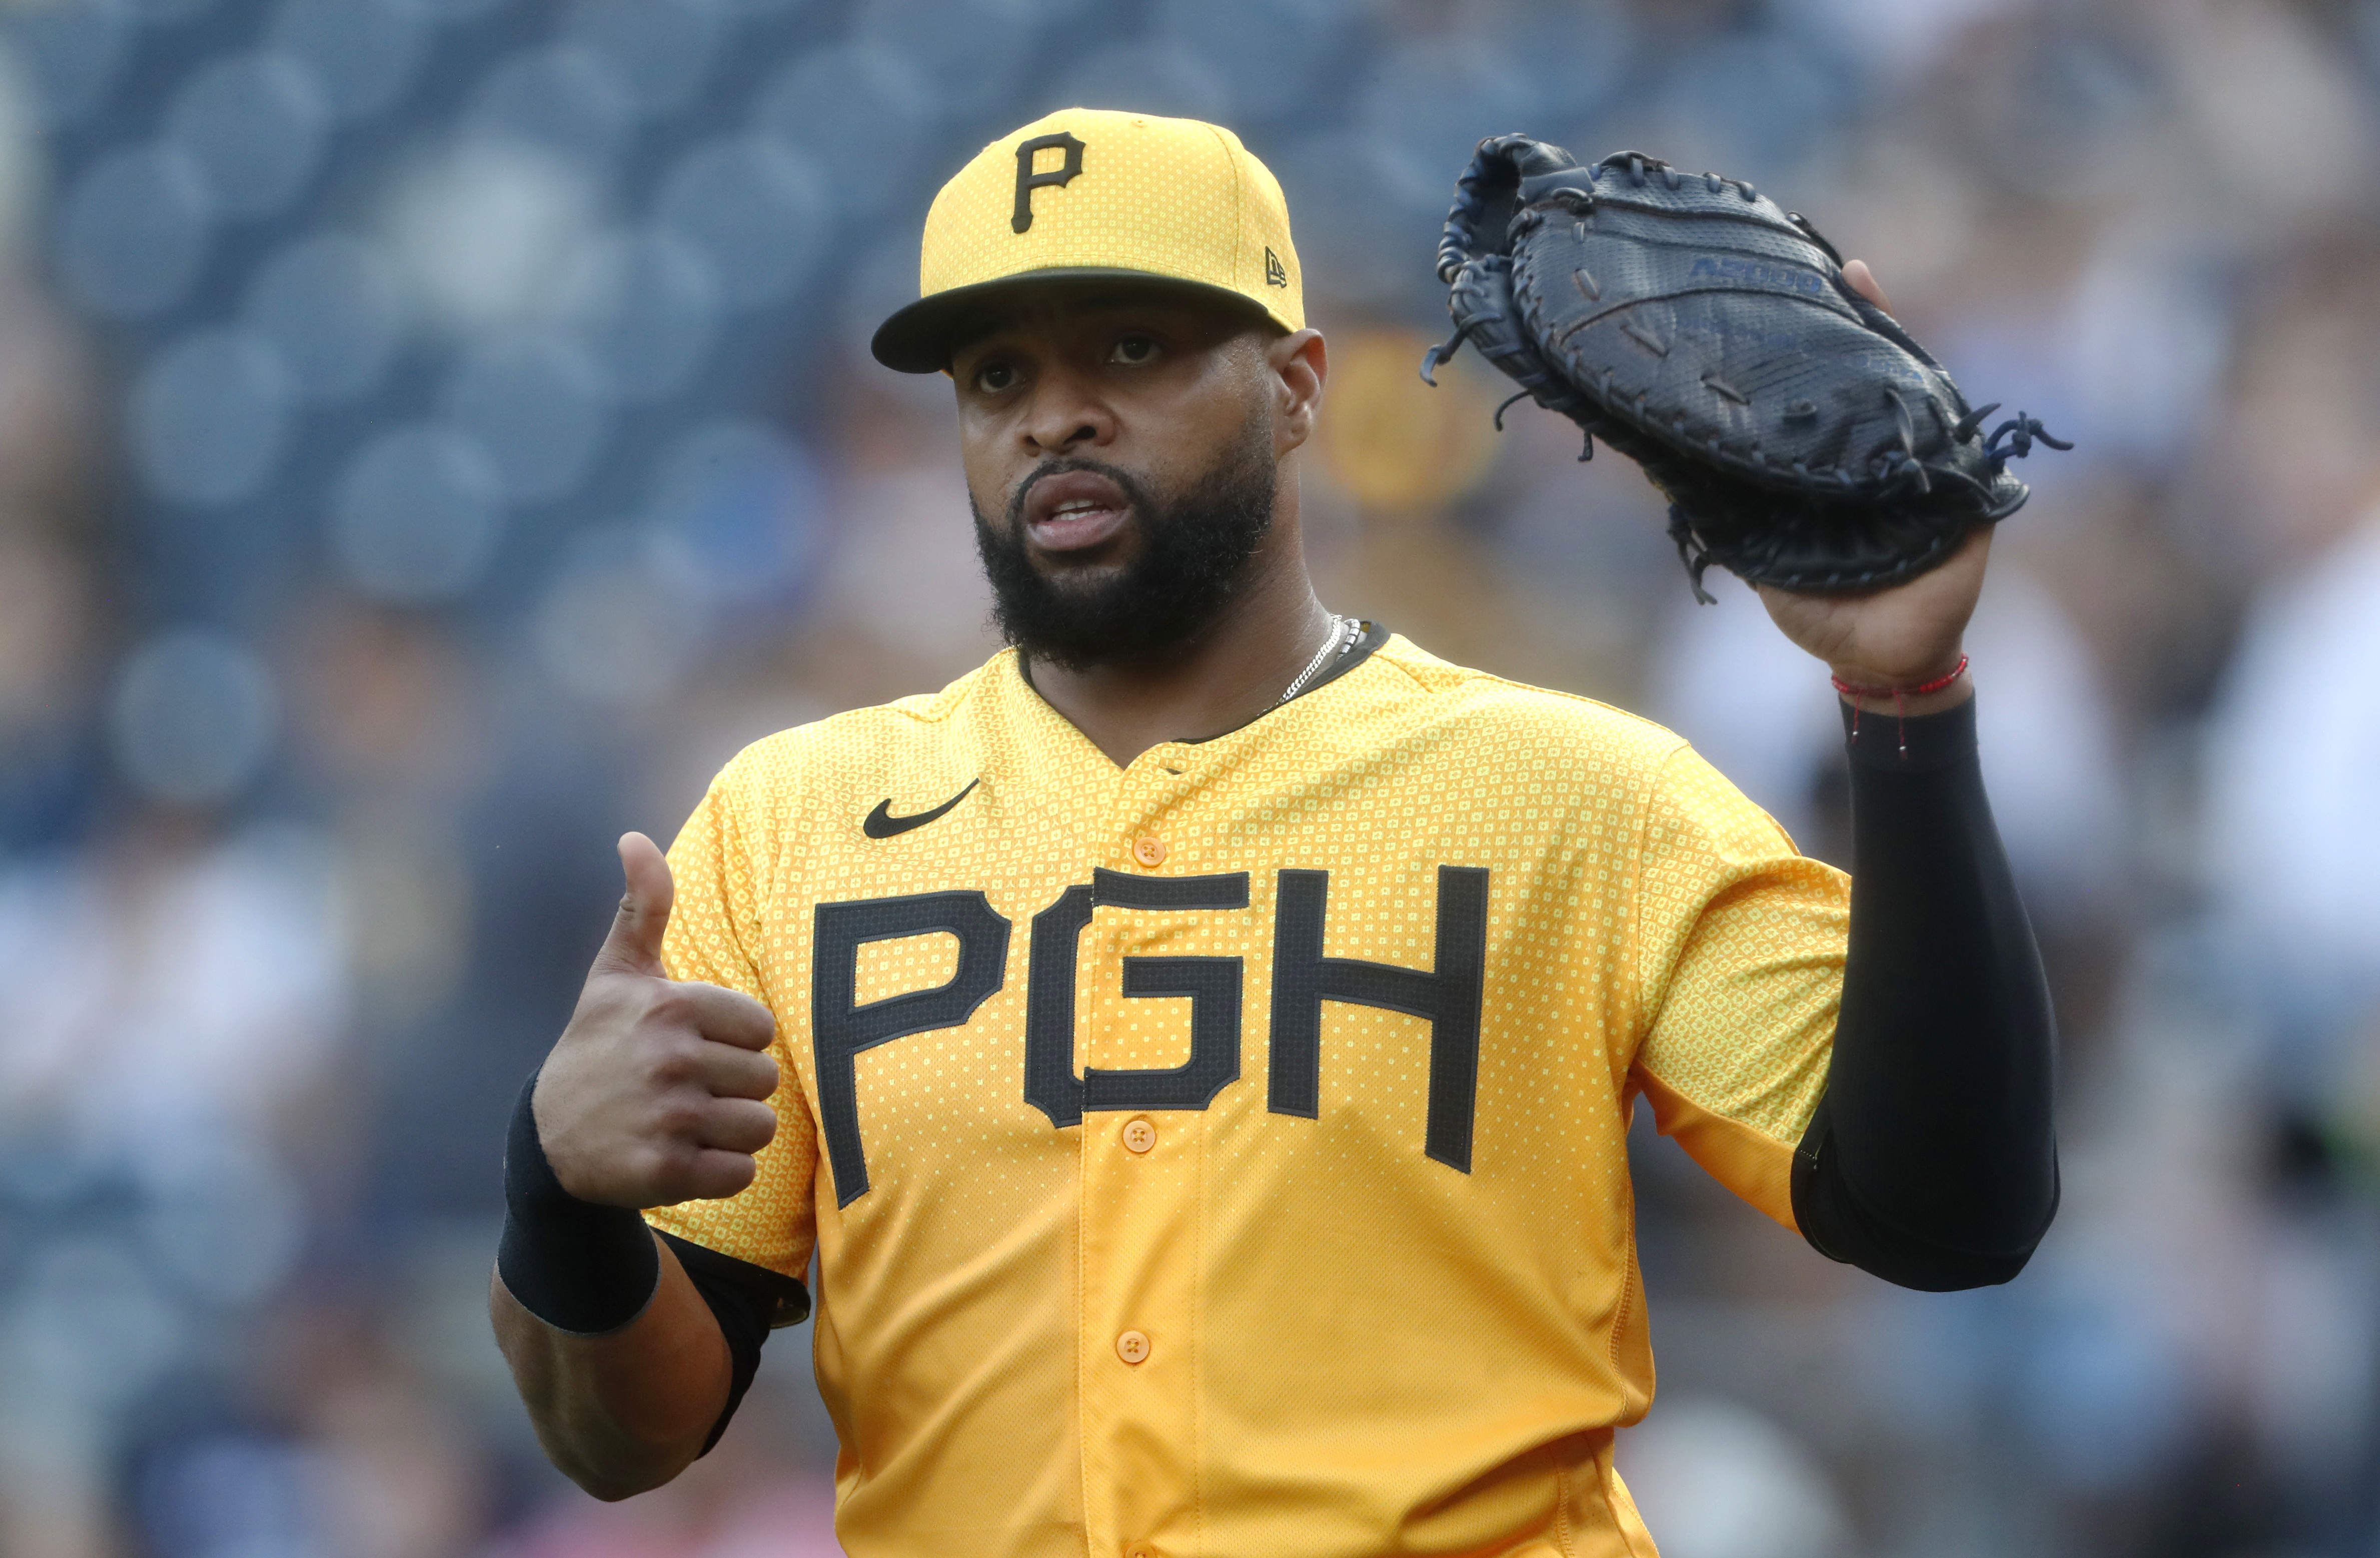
[{"x": 1300, "y": 364}]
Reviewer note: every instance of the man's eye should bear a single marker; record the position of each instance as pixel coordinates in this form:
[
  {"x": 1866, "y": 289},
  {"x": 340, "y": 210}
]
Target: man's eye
[
  {"x": 993, "y": 377},
  {"x": 1134, "y": 348}
]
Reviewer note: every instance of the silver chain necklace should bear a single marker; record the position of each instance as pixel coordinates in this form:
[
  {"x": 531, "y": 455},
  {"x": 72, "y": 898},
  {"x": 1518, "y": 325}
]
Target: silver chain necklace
[{"x": 1345, "y": 630}]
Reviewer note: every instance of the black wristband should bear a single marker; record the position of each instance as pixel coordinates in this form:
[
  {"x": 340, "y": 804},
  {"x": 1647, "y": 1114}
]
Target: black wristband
[{"x": 579, "y": 1267}]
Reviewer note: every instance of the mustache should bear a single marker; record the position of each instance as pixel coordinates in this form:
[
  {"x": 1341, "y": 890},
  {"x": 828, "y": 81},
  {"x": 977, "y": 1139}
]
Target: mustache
[{"x": 1134, "y": 492}]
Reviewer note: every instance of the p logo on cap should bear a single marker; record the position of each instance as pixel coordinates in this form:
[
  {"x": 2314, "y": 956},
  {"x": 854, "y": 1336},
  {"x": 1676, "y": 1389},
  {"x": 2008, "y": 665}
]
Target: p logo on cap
[
  {"x": 1089, "y": 193},
  {"x": 1028, "y": 180}
]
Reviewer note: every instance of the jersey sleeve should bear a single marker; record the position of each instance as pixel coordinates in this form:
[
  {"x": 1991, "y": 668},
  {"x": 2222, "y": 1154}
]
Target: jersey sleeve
[
  {"x": 1741, "y": 947},
  {"x": 714, "y": 931}
]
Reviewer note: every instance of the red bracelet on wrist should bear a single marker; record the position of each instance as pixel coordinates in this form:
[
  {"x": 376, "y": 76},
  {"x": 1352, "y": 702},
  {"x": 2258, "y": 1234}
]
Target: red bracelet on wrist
[{"x": 1854, "y": 691}]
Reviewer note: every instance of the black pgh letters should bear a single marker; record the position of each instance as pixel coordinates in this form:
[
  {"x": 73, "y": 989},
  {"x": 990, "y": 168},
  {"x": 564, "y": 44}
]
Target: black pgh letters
[
  {"x": 841, "y": 1028},
  {"x": 1447, "y": 997},
  {"x": 1212, "y": 984}
]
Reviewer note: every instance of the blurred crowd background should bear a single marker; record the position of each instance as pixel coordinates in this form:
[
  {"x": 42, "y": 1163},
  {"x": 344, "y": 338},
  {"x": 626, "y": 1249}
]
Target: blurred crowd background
[{"x": 434, "y": 435}]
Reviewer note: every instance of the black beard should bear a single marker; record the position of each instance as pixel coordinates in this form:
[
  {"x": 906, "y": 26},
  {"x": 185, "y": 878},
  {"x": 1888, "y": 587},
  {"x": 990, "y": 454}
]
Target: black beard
[{"x": 1193, "y": 559}]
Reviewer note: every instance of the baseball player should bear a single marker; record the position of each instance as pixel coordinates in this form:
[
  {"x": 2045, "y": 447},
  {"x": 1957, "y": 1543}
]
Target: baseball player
[{"x": 1197, "y": 1046}]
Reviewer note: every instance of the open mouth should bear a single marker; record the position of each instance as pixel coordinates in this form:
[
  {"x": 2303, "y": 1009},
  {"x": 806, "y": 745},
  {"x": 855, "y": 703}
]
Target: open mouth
[{"x": 1074, "y": 511}]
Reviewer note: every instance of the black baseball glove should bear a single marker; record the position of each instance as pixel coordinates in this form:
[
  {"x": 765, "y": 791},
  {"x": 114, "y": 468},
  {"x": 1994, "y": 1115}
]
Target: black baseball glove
[{"x": 1802, "y": 437}]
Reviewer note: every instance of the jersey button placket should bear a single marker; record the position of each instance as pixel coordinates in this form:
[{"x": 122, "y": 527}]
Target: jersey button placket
[
  {"x": 1138, "y": 1241},
  {"x": 1151, "y": 786}
]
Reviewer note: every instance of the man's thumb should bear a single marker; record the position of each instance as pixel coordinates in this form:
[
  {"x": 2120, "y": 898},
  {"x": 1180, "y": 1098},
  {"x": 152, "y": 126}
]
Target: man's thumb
[{"x": 634, "y": 943}]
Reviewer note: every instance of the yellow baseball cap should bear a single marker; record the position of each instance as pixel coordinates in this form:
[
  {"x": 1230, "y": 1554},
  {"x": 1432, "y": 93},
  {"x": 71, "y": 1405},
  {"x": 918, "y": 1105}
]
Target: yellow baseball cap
[{"x": 1090, "y": 193}]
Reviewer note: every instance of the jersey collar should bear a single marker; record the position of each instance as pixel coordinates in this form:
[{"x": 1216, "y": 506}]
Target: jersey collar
[{"x": 1372, "y": 637}]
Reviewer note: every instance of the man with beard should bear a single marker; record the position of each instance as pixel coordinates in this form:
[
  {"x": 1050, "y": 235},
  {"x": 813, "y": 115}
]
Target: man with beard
[{"x": 1197, "y": 1046}]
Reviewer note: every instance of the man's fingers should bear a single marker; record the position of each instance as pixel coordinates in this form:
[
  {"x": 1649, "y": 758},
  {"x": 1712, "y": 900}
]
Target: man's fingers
[
  {"x": 1863, "y": 281},
  {"x": 727, "y": 1016},
  {"x": 704, "y": 1149},
  {"x": 717, "y": 1175},
  {"x": 738, "y": 1124},
  {"x": 725, "y": 1071},
  {"x": 635, "y": 943}
]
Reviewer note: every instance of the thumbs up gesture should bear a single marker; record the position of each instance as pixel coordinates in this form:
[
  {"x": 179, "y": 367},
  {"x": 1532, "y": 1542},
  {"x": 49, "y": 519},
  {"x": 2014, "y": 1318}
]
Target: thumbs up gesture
[{"x": 658, "y": 1090}]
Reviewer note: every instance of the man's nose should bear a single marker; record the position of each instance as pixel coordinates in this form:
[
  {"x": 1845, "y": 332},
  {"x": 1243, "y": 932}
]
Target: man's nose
[{"x": 1066, "y": 417}]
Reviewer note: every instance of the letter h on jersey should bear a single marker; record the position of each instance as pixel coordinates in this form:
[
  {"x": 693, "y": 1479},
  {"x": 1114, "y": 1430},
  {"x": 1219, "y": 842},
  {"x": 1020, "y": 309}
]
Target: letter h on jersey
[{"x": 1447, "y": 997}]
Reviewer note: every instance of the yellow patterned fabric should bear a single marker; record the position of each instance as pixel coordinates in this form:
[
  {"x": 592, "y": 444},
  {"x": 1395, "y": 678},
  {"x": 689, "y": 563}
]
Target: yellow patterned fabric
[
  {"x": 1171, "y": 197},
  {"x": 1295, "y": 1216}
]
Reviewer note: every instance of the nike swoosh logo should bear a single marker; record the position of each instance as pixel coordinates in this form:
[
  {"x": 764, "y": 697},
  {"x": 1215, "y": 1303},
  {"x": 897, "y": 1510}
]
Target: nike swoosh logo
[{"x": 881, "y": 824}]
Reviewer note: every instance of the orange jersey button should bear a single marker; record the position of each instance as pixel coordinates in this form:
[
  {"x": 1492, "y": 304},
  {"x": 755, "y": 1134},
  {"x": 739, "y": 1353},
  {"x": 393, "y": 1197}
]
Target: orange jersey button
[
  {"x": 1132, "y": 1347},
  {"x": 1139, "y": 1135},
  {"x": 1149, "y": 851},
  {"x": 1140, "y": 1550}
]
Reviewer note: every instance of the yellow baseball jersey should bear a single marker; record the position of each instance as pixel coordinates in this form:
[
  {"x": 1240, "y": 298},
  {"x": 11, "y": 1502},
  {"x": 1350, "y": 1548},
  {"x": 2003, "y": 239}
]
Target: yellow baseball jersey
[{"x": 1225, "y": 1154}]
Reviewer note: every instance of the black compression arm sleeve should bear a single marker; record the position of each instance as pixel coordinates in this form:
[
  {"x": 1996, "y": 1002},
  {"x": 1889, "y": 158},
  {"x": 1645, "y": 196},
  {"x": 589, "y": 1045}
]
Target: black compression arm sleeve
[{"x": 1932, "y": 1159}]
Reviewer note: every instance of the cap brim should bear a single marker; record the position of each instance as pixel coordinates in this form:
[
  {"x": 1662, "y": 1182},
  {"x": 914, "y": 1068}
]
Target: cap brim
[{"x": 918, "y": 339}]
